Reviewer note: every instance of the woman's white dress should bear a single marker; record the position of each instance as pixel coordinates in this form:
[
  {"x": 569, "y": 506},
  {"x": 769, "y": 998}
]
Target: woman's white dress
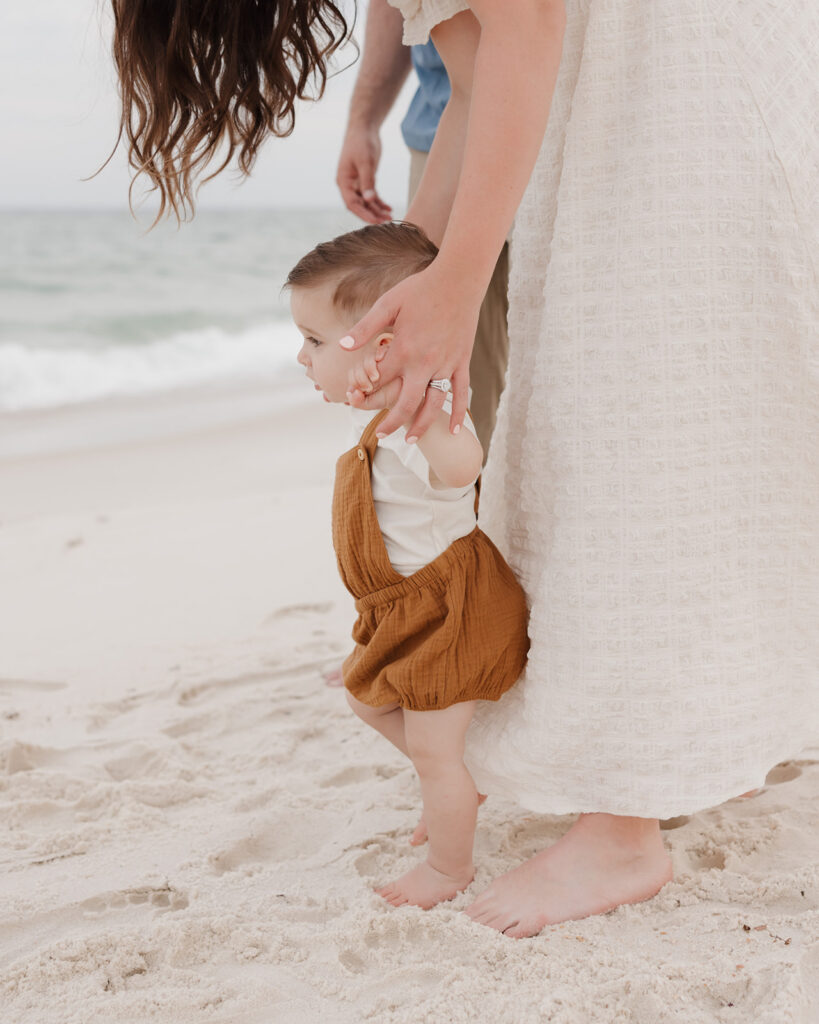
[{"x": 654, "y": 475}]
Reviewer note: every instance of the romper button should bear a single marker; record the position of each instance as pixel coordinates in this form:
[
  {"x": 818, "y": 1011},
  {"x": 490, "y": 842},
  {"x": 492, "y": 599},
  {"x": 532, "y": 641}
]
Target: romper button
[{"x": 361, "y": 454}]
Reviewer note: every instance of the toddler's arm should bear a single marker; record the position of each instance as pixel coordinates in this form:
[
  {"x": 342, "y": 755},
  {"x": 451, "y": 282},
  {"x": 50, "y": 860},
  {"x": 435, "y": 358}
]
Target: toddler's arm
[{"x": 456, "y": 459}]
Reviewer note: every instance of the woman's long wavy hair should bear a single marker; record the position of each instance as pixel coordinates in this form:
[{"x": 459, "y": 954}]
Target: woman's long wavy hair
[{"x": 196, "y": 75}]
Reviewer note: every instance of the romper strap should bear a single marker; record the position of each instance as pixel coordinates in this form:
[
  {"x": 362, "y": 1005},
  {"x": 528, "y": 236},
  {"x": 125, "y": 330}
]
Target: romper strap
[{"x": 369, "y": 441}]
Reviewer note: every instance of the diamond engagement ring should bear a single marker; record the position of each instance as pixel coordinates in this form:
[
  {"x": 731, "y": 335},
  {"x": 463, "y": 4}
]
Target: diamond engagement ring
[{"x": 444, "y": 384}]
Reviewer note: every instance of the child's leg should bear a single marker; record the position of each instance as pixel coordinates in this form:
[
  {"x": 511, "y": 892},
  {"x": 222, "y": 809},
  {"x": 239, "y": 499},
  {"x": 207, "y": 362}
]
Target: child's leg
[
  {"x": 435, "y": 741},
  {"x": 388, "y": 720}
]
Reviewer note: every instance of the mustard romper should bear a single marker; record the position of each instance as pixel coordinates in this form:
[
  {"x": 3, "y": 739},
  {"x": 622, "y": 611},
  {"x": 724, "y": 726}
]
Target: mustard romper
[{"x": 455, "y": 630}]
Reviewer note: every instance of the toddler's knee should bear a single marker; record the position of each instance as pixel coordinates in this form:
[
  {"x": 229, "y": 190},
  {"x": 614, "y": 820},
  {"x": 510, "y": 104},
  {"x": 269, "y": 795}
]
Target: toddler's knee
[
  {"x": 430, "y": 761},
  {"x": 366, "y": 712}
]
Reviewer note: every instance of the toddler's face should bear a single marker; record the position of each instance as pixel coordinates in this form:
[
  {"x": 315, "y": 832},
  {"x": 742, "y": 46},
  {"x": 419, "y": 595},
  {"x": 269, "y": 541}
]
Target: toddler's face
[{"x": 327, "y": 364}]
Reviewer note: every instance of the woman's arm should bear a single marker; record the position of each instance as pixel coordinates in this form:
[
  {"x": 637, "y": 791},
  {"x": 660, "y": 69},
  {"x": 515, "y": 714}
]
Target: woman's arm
[
  {"x": 512, "y": 83},
  {"x": 435, "y": 313},
  {"x": 458, "y": 38}
]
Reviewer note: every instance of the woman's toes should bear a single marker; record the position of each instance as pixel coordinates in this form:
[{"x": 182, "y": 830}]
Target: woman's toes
[{"x": 500, "y": 922}]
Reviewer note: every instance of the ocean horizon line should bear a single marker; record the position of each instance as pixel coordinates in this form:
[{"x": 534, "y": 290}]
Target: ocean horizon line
[{"x": 201, "y": 208}]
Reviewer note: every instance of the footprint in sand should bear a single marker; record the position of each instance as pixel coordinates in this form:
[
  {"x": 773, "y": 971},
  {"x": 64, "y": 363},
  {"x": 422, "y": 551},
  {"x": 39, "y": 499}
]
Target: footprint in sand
[
  {"x": 394, "y": 933},
  {"x": 377, "y": 852},
  {"x": 352, "y": 961},
  {"x": 416, "y": 976},
  {"x": 361, "y": 774},
  {"x": 138, "y": 761},
  {"x": 162, "y": 900},
  {"x": 35, "y": 685},
  {"x": 17, "y": 756},
  {"x": 667, "y": 824},
  {"x": 785, "y": 772},
  {"x": 299, "y": 611},
  {"x": 289, "y": 835},
  {"x": 704, "y": 855}
]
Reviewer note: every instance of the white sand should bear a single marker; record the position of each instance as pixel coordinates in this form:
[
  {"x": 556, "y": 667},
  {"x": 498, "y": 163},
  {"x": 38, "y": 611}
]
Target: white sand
[{"x": 193, "y": 821}]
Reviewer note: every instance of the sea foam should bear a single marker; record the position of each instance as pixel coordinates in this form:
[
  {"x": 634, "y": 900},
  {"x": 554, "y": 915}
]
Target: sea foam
[{"x": 36, "y": 378}]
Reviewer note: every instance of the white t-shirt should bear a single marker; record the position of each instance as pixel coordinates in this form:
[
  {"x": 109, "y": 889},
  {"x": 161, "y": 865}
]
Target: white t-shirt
[{"x": 418, "y": 519}]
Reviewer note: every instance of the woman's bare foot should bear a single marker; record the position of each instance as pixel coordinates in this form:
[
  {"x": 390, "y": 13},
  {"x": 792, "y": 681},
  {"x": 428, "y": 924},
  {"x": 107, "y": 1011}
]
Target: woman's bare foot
[
  {"x": 420, "y": 836},
  {"x": 603, "y": 861},
  {"x": 425, "y": 887}
]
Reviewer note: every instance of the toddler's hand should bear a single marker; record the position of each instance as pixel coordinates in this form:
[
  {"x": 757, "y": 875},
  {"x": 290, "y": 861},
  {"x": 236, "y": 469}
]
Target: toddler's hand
[
  {"x": 382, "y": 398},
  {"x": 363, "y": 376}
]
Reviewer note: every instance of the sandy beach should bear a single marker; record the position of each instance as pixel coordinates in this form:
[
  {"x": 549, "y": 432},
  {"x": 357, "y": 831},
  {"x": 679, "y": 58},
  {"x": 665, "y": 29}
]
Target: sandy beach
[{"x": 194, "y": 821}]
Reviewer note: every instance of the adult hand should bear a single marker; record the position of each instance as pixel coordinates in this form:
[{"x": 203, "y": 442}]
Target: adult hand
[
  {"x": 355, "y": 176},
  {"x": 433, "y": 319}
]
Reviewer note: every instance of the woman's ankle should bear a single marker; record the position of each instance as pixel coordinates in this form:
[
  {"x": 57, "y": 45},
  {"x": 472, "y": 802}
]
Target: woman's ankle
[{"x": 626, "y": 833}]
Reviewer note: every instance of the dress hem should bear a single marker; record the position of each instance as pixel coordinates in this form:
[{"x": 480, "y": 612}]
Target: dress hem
[{"x": 535, "y": 802}]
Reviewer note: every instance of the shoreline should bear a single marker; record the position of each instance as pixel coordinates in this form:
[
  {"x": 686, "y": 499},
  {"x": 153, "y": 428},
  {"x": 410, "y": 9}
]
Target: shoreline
[{"x": 122, "y": 419}]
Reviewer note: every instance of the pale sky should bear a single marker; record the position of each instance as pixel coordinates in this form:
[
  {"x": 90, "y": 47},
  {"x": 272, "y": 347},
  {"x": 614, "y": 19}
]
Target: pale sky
[{"x": 59, "y": 116}]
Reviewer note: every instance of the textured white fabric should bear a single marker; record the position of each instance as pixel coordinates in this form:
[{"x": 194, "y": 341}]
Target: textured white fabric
[
  {"x": 422, "y": 15},
  {"x": 419, "y": 518},
  {"x": 654, "y": 475}
]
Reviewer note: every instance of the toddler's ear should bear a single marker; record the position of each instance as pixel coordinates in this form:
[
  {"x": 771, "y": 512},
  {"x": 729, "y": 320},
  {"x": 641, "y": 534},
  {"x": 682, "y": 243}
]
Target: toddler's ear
[{"x": 382, "y": 344}]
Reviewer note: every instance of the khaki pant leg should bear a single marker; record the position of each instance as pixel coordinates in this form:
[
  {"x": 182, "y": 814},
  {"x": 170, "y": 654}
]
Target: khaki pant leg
[{"x": 487, "y": 368}]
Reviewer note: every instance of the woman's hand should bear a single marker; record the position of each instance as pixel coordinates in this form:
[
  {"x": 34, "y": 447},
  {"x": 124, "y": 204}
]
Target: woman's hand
[{"x": 433, "y": 319}]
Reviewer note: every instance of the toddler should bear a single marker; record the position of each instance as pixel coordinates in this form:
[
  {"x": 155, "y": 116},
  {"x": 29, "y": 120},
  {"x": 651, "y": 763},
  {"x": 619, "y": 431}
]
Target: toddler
[{"x": 442, "y": 621}]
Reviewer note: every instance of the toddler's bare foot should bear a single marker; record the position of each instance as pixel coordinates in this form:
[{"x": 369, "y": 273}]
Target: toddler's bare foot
[
  {"x": 425, "y": 887},
  {"x": 333, "y": 677},
  {"x": 600, "y": 863},
  {"x": 420, "y": 835}
]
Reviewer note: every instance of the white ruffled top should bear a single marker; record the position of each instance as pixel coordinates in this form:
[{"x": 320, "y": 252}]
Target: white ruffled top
[{"x": 422, "y": 15}]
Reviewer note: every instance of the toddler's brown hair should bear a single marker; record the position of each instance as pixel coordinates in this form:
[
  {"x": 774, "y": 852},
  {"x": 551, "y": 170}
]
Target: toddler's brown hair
[{"x": 367, "y": 263}]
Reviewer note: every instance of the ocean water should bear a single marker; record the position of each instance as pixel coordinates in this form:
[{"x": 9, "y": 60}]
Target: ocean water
[{"x": 92, "y": 305}]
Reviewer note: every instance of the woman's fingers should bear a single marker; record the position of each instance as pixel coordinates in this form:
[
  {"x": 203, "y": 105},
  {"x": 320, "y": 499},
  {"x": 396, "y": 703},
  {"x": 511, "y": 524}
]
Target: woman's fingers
[
  {"x": 406, "y": 404},
  {"x": 424, "y": 418},
  {"x": 460, "y": 399},
  {"x": 435, "y": 399},
  {"x": 379, "y": 318}
]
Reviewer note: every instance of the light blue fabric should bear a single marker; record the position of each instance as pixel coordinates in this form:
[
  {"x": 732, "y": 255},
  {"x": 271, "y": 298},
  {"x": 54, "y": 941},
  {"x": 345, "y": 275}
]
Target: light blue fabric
[{"x": 421, "y": 120}]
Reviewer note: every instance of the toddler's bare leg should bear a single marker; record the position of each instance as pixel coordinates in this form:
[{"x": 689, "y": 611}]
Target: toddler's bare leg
[
  {"x": 419, "y": 836},
  {"x": 388, "y": 720},
  {"x": 435, "y": 740}
]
